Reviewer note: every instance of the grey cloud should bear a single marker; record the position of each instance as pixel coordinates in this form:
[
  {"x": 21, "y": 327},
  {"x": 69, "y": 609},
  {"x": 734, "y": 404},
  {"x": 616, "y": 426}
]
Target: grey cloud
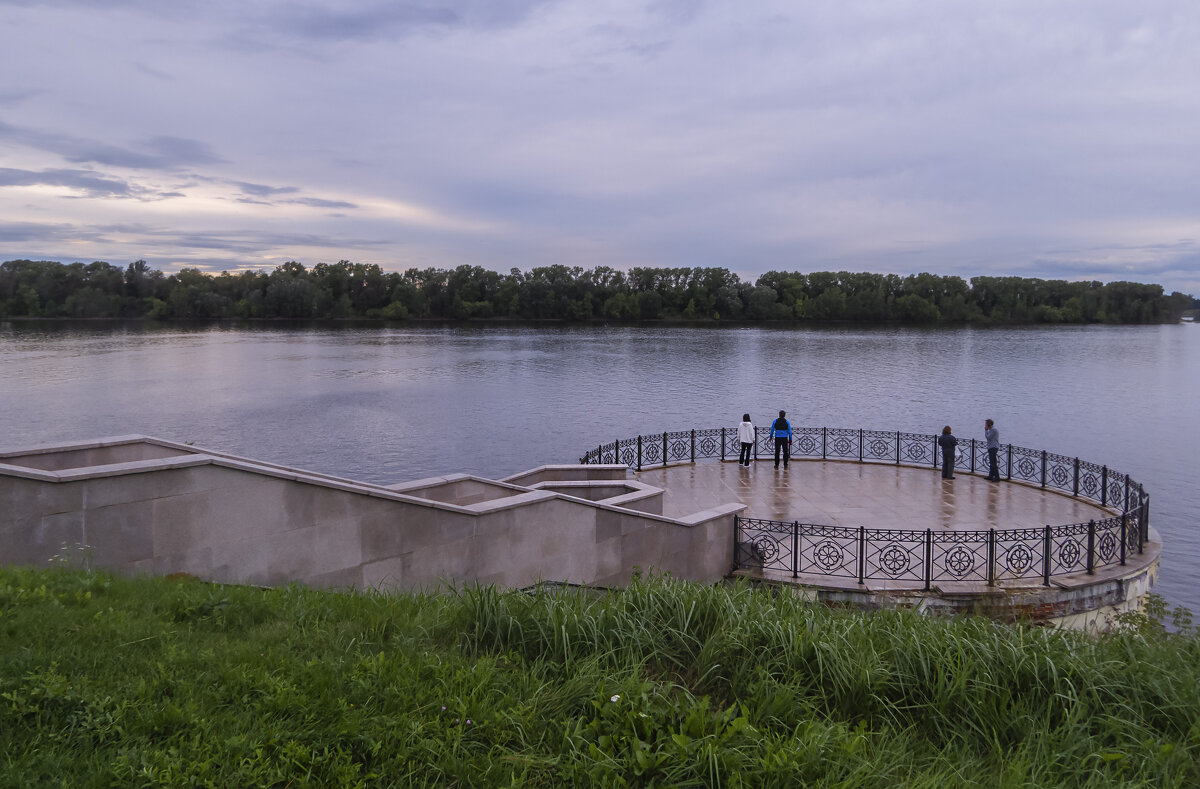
[
  {"x": 262, "y": 190},
  {"x": 1156, "y": 262},
  {"x": 88, "y": 182},
  {"x": 11, "y": 98},
  {"x": 163, "y": 152},
  {"x": 20, "y": 232},
  {"x": 150, "y": 71},
  {"x": 334, "y": 22},
  {"x": 316, "y": 202}
]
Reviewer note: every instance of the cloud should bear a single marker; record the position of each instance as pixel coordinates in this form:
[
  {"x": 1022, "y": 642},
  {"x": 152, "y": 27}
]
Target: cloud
[
  {"x": 1026, "y": 138},
  {"x": 314, "y": 202},
  {"x": 161, "y": 152},
  {"x": 262, "y": 190},
  {"x": 384, "y": 20},
  {"x": 85, "y": 181}
]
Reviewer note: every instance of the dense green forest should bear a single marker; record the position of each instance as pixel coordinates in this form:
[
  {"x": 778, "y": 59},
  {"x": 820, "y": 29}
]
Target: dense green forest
[{"x": 47, "y": 289}]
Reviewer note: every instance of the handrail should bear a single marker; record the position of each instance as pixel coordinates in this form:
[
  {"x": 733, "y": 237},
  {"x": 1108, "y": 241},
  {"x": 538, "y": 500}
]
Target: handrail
[{"x": 915, "y": 555}]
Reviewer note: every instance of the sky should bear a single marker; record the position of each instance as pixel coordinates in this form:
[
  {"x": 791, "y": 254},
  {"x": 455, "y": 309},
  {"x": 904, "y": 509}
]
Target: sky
[{"x": 1018, "y": 137}]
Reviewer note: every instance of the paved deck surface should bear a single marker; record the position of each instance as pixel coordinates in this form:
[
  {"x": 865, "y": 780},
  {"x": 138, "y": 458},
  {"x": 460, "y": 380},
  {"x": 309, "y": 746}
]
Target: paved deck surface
[{"x": 856, "y": 494}]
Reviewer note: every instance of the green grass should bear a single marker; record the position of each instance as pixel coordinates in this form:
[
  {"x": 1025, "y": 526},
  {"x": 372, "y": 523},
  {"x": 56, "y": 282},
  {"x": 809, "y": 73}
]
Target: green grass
[{"x": 107, "y": 681}]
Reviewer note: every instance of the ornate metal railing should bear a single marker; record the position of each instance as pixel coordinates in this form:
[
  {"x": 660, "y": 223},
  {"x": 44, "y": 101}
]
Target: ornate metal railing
[{"x": 909, "y": 556}]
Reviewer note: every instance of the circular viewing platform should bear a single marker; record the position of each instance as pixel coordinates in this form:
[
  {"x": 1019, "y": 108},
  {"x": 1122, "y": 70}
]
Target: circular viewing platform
[{"x": 1058, "y": 539}]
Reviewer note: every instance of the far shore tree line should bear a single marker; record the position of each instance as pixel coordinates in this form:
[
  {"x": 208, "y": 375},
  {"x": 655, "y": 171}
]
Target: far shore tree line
[{"x": 344, "y": 290}]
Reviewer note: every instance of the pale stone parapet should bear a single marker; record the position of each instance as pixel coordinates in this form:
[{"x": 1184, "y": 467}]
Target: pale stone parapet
[{"x": 139, "y": 504}]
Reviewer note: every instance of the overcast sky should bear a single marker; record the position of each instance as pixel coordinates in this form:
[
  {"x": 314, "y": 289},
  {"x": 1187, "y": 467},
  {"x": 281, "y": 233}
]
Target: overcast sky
[{"x": 1049, "y": 139}]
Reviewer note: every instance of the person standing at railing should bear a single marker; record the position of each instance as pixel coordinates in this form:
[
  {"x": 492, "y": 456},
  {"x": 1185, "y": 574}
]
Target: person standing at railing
[
  {"x": 746, "y": 436},
  {"x": 993, "y": 447},
  {"x": 781, "y": 429},
  {"x": 948, "y": 443}
]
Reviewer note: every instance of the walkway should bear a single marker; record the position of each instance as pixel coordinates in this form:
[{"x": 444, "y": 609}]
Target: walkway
[{"x": 874, "y": 495}]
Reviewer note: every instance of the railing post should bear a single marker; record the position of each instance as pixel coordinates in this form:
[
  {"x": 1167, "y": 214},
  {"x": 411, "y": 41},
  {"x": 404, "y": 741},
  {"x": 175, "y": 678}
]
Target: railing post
[
  {"x": 860, "y": 445},
  {"x": 1126, "y": 507},
  {"x": 928, "y": 558},
  {"x": 1043, "y": 468},
  {"x": 972, "y": 456},
  {"x": 1104, "y": 486},
  {"x": 1144, "y": 526},
  {"x": 823, "y": 442},
  {"x": 617, "y": 451},
  {"x": 897, "y": 447},
  {"x": 1046, "y": 545},
  {"x": 1075, "y": 492},
  {"x": 600, "y": 454},
  {"x": 935, "y": 452},
  {"x": 737, "y": 540},
  {"x": 1124, "y": 534},
  {"x": 1091, "y": 559},
  {"x": 755, "y": 444},
  {"x": 693, "y": 445},
  {"x": 639, "y": 453},
  {"x": 723, "y": 442},
  {"x": 795, "y": 548},
  {"x": 1010, "y": 462},
  {"x": 862, "y": 554},
  {"x": 664, "y": 449},
  {"x": 991, "y": 558}
]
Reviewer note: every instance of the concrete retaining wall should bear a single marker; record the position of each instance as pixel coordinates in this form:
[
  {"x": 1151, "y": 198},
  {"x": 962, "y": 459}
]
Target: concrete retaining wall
[{"x": 158, "y": 508}]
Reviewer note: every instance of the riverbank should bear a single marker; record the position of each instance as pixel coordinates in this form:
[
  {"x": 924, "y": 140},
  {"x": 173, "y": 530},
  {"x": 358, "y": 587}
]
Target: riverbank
[{"x": 158, "y": 682}]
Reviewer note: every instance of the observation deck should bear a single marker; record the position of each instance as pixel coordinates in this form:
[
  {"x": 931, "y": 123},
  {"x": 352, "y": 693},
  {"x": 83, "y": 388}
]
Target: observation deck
[{"x": 872, "y": 523}]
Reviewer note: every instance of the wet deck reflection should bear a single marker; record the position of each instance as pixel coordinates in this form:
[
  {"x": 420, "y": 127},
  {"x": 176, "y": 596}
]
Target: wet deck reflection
[{"x": 853, "y": 494}]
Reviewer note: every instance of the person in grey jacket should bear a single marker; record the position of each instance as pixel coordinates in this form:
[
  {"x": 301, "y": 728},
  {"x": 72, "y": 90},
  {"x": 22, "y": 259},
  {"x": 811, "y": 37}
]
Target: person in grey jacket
[
  {"x": 746, "y": 436},
  {"x": 948, "y": 443},
  {"x": 993, "y": 447}
]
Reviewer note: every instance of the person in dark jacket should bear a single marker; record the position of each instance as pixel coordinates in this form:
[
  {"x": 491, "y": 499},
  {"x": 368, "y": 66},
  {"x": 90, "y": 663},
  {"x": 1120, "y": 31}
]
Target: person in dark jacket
[
  {"x": 948, "y": 443},
  {"x": 781, "y": 429}
]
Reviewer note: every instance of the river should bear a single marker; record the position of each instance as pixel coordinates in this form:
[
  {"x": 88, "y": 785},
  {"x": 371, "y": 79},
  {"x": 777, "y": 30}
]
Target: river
[{"x": 393, "y": 404}]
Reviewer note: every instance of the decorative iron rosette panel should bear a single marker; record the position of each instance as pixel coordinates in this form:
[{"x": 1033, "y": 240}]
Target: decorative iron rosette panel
[
  {"x": 1068, "y": 548},
  {"x": 960, "y": 556},
  {"x": 629, "y": 455},
  {"x": 771, "y": 539},
  {"x": 841, "y": 443},
  {"x": 1116, "y": 490},
  {"x": 806, "y": 442},
  {"x": 916, "y": 449},
  {"x": 878, "y": 445},
  {"x": 679, "y": 446},
  {"x": 828, "y": 550},
  {"x": 1026, "y": 465},
  {"x": 766, "y": 443},
  {"x": 1090, "y": 477},
  {"x": 708, "y": 443},
  {"x": 895, "y": 554},
  {"x": 1060, "y": 472}
]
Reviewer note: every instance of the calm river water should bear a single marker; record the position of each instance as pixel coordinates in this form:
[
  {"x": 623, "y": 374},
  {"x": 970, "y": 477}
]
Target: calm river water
[{"x": 393, "y": 404}]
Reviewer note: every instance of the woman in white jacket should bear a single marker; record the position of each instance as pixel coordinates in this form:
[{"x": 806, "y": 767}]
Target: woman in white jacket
[{"x": 746, "y": 436}]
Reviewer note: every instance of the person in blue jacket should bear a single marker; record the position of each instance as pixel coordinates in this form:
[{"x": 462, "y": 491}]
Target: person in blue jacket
[{"x": 782, "y": 430}]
